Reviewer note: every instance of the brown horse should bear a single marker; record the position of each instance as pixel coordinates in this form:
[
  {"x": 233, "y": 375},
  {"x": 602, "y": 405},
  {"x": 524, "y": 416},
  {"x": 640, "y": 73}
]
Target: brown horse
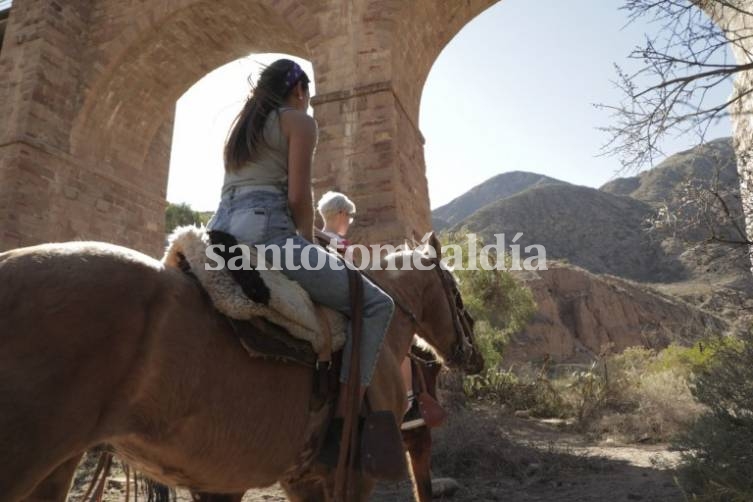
[
  {"x": 418, "y": 441},
  {"x": 101, "y": 344}
]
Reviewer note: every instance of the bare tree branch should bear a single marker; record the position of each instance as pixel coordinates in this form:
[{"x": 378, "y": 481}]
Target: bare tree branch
[{"x": 682, "y": 63}]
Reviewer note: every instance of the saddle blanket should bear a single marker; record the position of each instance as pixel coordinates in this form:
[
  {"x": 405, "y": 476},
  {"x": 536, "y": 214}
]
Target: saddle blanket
[{"x": 287, "y": 305}]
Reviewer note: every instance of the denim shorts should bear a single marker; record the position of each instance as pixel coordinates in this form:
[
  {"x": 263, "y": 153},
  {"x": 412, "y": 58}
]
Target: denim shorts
[{"x": 253, "y": 216}]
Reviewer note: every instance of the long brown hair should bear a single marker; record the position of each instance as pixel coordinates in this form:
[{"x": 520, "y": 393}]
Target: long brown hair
[{"x": 275, "y": 84}]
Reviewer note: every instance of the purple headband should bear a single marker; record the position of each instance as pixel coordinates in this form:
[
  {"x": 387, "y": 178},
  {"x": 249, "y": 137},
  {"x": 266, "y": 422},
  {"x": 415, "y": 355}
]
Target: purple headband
[{"x": 293, "y": 75}]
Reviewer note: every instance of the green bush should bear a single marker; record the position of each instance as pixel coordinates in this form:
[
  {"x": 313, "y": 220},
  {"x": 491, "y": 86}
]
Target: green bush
[
  {"x": 638, "y": 394},
  {"x": 177, "y": 215},
  {"x": 718, "y": 447},
  {"x": 490, "y": 342},
  {"x": 588, "y": 391},
  {"x": 500, "y": 305},
  {"x": 692, "y": 359},
  {"x": 538, "y": 396}
]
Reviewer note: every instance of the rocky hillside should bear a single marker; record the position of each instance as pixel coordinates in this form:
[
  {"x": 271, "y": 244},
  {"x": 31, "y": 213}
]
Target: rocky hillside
[
  {"x": 636, "y": 265},
  {"x": 496, "y": 188},
  {"x": 598, "y": 231},
  {"x": 717, "y": 275},
  {"x": 709, "y": 170},
  {"x": 581, "y": 314},
  {"x": 611, "y": 231},
  {"x": 660, "y": 185}
]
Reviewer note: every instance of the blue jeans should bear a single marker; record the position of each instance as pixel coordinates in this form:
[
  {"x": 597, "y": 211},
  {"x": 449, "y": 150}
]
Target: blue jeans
[{"x": 257, "y": 217}]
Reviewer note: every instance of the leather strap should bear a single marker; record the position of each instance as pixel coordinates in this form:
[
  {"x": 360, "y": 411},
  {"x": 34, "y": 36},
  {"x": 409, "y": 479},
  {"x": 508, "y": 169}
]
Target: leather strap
[
  {"x": 345, "y": 483},
  {"x": 324, "y": 356},
  {"x": 416, "y": 366}
]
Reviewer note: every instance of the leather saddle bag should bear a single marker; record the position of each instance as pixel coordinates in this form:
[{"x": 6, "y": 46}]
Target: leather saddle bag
[{"x": 431, "y": 411}]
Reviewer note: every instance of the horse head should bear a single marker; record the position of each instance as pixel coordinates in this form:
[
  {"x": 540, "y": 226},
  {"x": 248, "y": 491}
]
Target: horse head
[{"x": 444, "y": 322}]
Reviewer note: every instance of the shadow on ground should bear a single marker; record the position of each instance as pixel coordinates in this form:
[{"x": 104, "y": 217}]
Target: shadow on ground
[{"x": 495, "y": 456}]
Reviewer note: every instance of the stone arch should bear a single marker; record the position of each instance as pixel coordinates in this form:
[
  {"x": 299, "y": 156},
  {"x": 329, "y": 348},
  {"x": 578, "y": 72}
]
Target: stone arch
[
  {"x": 422, "y": 30},
  {"x": 370, "y": 144},
  {"x": 427, "y": 40},
  {"x": 133, "y": 96},
  {"x": 90, "y": 89}
]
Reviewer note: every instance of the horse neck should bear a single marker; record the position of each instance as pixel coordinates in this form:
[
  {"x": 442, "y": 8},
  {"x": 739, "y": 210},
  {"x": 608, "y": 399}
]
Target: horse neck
[{"x": 405, "y": 286}]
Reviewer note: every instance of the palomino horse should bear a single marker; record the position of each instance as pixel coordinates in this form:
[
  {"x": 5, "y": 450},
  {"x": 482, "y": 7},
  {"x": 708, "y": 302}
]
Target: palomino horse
[{"x": 101, "y": 344}]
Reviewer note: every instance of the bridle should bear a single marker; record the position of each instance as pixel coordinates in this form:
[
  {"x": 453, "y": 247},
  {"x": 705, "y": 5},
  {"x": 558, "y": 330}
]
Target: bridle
[
  {"x": 462, "y": 351},
  {"x": 462, "y": 320}
]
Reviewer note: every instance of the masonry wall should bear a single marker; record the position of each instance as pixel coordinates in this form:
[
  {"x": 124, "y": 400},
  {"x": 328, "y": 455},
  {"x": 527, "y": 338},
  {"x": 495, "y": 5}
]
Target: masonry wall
[{"x": 88, "y": 91}]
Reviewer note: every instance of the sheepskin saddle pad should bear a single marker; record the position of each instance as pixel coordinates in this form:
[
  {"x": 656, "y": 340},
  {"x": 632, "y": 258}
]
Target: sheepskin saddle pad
[{"x": 260, "y": 297}]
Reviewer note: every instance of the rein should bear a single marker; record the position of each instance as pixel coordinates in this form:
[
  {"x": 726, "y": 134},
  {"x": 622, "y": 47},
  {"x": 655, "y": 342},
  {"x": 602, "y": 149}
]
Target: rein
[
  {"x": 462, "y": 321},
  {"x": 399, "y": 304}
]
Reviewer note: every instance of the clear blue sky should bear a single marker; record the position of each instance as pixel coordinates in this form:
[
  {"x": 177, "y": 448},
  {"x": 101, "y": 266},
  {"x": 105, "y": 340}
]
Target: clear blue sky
[{"x": 512, "y": 91}]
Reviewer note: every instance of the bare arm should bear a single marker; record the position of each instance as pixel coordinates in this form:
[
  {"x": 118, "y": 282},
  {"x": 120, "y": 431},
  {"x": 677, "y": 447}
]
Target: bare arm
[{"x": 301, "y": 132}]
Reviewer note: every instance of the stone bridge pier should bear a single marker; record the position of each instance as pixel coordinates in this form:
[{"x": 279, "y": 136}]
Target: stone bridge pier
[{"x": 88, "y": 91}]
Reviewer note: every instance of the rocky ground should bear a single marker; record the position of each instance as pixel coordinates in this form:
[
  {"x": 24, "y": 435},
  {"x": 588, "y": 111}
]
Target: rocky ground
[{"x": 527, "y": 460}]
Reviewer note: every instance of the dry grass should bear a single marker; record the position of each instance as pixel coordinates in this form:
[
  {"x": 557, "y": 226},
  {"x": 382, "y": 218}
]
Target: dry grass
[
  {"x": 475, "y": 444},
  {"x": 639, "y": 395},
  {"x": 659, "y": 406}
]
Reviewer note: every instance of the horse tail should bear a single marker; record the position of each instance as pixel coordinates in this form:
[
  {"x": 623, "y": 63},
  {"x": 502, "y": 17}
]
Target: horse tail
[{"x": 156, "y": 492}]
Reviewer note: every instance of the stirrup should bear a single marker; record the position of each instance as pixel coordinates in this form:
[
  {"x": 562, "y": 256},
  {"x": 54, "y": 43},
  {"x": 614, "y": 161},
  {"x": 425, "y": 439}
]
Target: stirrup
[{"x": 412, "y": 418}]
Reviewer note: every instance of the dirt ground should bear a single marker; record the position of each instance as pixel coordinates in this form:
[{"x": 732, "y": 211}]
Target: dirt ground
[{"x": 526, "y": 460}]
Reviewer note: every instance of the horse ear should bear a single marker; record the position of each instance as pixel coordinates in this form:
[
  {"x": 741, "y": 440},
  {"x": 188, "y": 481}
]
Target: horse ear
[{"x": 433, "y": 243}]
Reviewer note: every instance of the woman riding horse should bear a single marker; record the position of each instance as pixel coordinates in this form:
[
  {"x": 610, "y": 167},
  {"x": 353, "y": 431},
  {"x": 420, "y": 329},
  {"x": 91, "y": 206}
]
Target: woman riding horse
[
  {"x": 267, "y": 200},
  {"x": 102, "y": 344}
]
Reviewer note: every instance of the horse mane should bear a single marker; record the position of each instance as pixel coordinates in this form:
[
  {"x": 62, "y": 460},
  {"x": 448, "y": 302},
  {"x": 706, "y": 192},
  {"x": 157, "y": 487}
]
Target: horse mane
[
  {"x": 391, "y": 259},
  {"x": 424, "y": 351},
  {"x": 407, "y": 250}
]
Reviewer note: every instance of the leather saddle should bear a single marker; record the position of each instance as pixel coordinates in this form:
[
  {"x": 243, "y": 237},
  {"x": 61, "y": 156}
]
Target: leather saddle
[{"x": 259, "y": 336}]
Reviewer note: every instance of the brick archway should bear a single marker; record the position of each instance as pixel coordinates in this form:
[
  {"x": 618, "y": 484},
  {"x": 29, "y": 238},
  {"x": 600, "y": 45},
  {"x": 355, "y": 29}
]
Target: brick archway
[
  {"x": 91, "y": 94},
  {"x": 88, "y": 89},
  {"x": 134, "y": 96}
]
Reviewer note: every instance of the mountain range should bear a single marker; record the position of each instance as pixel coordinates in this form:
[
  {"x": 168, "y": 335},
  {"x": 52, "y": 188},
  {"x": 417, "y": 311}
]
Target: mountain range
[{"x": 639, "y": 233}]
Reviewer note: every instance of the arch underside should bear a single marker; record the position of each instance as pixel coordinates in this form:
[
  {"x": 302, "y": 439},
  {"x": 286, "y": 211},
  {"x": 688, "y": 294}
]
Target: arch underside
[{"x": 129, "y": 109}]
